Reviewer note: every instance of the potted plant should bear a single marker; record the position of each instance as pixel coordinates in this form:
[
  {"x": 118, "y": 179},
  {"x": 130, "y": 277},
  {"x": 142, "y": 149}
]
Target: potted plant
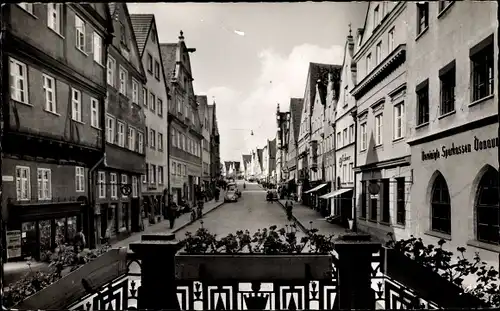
[{"x": 270, "y": 253}]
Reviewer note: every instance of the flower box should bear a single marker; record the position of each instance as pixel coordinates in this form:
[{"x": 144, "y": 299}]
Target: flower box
[
  {"x": 97, "y": 272},
  {"x": 253, "y": 267}
]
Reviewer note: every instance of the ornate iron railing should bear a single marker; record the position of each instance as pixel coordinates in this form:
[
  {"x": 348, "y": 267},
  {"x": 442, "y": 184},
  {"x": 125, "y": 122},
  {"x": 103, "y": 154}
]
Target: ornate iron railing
[{"x": 122, "y": 293}]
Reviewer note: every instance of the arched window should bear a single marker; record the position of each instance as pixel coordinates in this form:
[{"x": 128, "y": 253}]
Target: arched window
[
  {"x": 487, "y": 212},
  {"x": 440, "y": 206}
]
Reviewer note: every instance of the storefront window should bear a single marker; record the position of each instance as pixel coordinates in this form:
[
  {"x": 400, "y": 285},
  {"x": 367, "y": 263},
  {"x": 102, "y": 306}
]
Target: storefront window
[
  {"x": 112, "y": 218},
  {"x": 487, "y": 211},
  {"x": 72, "y": 228},
  {"x": 60, "y": 231},
  {"x": 45, "y": 235},
  {"x": 363, "y": 199},
  {"x": 441, "y": 206},
  {"x": 124, "y": 216}
]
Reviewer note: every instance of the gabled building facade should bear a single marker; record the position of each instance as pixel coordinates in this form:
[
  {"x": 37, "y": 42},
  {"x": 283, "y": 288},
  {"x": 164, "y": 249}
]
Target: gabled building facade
[
  {"x": 292, "y": 150},
  {"x": 246, "y": 161},
  {"x": 154, "y": 104},
  {"x": 215, "y": 172},
  {"x": 265, "y": 163},
  {"x": 53, "y": 134},
  {"x": 204, "y": 115},
  {"x": 118, "y": 191},
  {"x": 452, "y": 125},
  {"x": 383, "y": 173},
  {"x": 307, "y": 148},
  {"x": 185, "y": 127},
  {"x": 282, "y": 133}
]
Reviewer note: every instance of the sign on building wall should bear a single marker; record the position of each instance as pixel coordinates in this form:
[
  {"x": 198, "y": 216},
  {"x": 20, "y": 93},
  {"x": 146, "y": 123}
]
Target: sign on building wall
[
  {"x": 13, "y": 243},
  {"x": 448, "y": 151}
]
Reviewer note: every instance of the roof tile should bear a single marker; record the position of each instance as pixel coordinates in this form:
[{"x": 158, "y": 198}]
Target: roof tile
[{"x": 141, "y": 23}]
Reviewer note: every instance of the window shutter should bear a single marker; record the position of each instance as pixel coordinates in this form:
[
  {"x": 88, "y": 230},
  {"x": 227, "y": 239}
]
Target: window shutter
[{"x": 89, "y": 40}]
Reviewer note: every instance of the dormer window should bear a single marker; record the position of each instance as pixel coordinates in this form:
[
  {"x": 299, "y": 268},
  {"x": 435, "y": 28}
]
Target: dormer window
[{"x": 123, "y": 35}]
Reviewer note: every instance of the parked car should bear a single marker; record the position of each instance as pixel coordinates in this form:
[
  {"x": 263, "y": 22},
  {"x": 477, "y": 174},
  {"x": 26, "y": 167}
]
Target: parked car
[
  {"x": 231, "y": 195},
  {"x": 272, "y": 195}
]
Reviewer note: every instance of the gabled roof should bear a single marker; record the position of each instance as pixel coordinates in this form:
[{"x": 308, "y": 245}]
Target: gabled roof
[
  {"x": 142, "y": 25},
  {"x": 237, "y": 166},
  {"x": 202, "y": 108},
  {"x": 168, "y": 53},
  {"x": 317, "y": 72},
  {"x": 272, "y": 148},
  {"x": 214, "y": 124},
  {"x": 259, "y": 155},
  {"x": 296, "y": 105},
  {"x": 246, "y": 159}
]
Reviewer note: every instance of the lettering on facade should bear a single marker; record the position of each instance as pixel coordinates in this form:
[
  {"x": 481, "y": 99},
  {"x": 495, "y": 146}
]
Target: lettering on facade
[
  {"x": 344, "y": 158},
  {"x": 448, "y": 151}
]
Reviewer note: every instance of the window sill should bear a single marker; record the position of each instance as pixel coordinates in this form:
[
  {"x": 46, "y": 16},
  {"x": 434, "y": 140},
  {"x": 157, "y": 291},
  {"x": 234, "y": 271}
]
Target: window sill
[
  {"x": 378, "y": 146},
  {"x": 446, "y": 114},
  {"x": 61, "y": 36},
  {"x": 438, "y": 235},
  {"x": 445, "y": 9},
  {"x": 81, "y": 51},
  {"x": 96, "y": 128},
  {"x": 422, "y": 33},
  {"x": 102, "y": 198},
  {"x": 52, "y": 112},
  {"x": 484, "y": 245},
  {"x": 372, "y": 221},
  {"x": 481, "y": 100},
  {"x": 422, "y": 125},
  {"x": 99, "y": 64},
  {"x": 77, "y": 121},
  {"x": 362, "y": 151},
  {"x": 23, "y": 103},
  {"x": 385, "y": 223},
  {"x": 397, "y": 140},
  {"x": 80, "y": 191},
  {"x": 399, "y": 226}
]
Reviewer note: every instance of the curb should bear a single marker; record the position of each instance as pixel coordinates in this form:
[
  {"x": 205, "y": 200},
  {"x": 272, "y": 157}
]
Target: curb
[
  {"x": 192, "y": 222},
  {"x": 295, "y": 220}
]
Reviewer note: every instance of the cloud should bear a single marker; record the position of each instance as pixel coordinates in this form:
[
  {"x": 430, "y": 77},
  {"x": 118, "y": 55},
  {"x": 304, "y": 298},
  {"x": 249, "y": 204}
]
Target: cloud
[{"x": 281, "y": 77}]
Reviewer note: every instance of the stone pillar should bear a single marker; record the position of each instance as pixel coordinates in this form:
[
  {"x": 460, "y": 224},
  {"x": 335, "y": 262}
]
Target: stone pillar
[
  {"x": 158, "y": 289},
  {"x": 354, "y": 271}
]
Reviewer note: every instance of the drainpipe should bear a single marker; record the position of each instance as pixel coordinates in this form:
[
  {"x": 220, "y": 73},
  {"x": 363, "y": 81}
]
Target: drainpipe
[
  {"x": 498, "y": 86},
  {"x": 334, "y": 185},
  {"x": 355, "y": 208},
  {"x": 169, "y": 140}
]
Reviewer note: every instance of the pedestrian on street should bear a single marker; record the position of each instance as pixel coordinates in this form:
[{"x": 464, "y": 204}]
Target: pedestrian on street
[
  {"x": 79, "y": 241},
  {"x": 171, "y": 211},
  {"x": 217, "y": 193},
  {"x": 289, "y": 208}
]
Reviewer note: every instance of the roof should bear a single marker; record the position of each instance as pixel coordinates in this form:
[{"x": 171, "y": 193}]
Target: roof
[
  {"x": 237, "y": 166},
  {"x": 246, "y": 158},
  {"x": 272, "y": 148},
  {"x": 296, "y": 105},
  {"x": 169, "y": 58},
  {"x": 259, "y": 155},
  {"x": 141, "y": 23},
  {"x": 317, "y": 72},
  {"x": 202, "y": 108}
]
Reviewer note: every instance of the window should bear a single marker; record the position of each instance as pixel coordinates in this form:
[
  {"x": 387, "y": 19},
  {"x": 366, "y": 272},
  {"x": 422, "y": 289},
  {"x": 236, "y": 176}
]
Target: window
[
  {"x": 80, "y": 33},
  {"x": 152, "y": 102},
  {"x": 385, "y": 201},
  {"x": 447, "y": 79},
  {"x": 23, "y": 184},
  {"x": 157, "y": 70},
  {"x": 152, "y": 174},
  {"x": 123, "y": 34},
  {"x": 131, "y": 138},
  {"x": 375, "y": 17},
  {"x": 135, "y": 92},
  {"x": 140, "y": 138},
  {"x": 174, "y": 168},
  {"x": 423, "y": 104},
  {"x": 363, "y": 200},
  {"x": 378, "y": 130},
  {"x": 49, "y": 89},
  {"x": 124, "y": 182},
  {"x": 135, "y": 188},
  {"x": 54, "y": 16},
  {"x": 110, "y": 129},
  {"x": 111, "y": 71},
  {"x": 144, "y": 97},
  {"x": 102, "y": 185},
  {"x": 482, "y": 72},
  {"x": 152, "y": 138},
  {"x": 160, "y": 141},
  {"x": 390, "y": 41},
  {"x": 121, "y": 134},
  {"x": 400, "y": 201},
  {"x": 179, "y": 169},
  {"x": 423, "y": 16},
  {"x": 487, "y": 211},
  {"x": 160, "y": 175},
  {"x": 76, "y": 107},
  {"x": 440, "y": 206},
  {"x": 339, "y": 140},
  {"x": 173, "y": 138},
  {"x": 123, "y": 81},
  {"x": 79, "y": 179},
  {"x": 94, "y": 112},
  {"x": 399, "y": 115},
  {"x": 159, "y": 107},
  {"x": 179, "y": 143},
  {"x": 114, "y": 186},
  {"x": 368, "y": 63},
  {"x": 179, "y": 105},
  {"x": 44, "y": 184},
  {"x": 351, "y": 172},
  {"x": 345, "y": 139},
  {"x": 150, "y": 63},
  {"x": 146, "y": 175},
  {"x": 444, "y": 4},
  {"x": 363, "y": 136},
  {"x": 18, "y": 81},
  {"x": 351, "y": 133},
  {"x": 378, "y": 53},
  {"x": 97, "y": 46},
  {"x": 28, "y": 7},
  {"x": 184, "y": 143},
  {"x": 373, "y": 203}
]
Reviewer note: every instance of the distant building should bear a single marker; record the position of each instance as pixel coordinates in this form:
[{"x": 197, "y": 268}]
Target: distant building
[
  {"x": 205, "y": 115},
  {"x": 215, "y": 171},
  {"x": 291, "y": 148},
  {"x": 246, "y": 160}
]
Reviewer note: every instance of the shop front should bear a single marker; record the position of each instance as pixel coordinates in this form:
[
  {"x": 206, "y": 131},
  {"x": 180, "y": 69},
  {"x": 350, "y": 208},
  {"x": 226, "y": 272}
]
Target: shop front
[
  {"x": 455, "y": 193},
  {"x": 35, "y": 230}
]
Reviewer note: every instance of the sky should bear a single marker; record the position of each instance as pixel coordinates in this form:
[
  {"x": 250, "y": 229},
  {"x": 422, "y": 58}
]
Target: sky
[{"x": 251, "y": 56}]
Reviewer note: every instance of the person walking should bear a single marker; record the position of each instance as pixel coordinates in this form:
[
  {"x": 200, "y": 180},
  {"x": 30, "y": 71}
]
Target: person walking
[
  {"x": 289, "y": 208},
  {"x": 171, "y": 211},
  {"x": 79, "y": 242},
  {"x": 217, "y": 193}
]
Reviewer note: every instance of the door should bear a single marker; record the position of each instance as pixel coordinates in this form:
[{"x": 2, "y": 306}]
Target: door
[
  {"x": 135, "y": 213},
  {"x": 104, "y": 220}
]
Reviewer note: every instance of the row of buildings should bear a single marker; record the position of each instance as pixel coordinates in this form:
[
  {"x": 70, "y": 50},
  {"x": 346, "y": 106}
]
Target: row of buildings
[
  {"x": 260, "y": 164},
  {"x": 100, "y": 120},
  {"x": 402, "y": 137}
]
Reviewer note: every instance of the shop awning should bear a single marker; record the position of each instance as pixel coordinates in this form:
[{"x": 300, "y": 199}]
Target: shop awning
[
  {"x": 335, "y": 193},
  {"x": 315, "y": 188}
]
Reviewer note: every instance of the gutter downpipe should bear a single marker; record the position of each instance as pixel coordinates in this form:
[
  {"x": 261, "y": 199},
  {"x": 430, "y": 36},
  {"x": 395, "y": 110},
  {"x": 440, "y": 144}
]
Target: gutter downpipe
[
  {"x": 91, "y": 213},
  {"x": 498, "y": 87},
  {"x": 354, "y": 201}
]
